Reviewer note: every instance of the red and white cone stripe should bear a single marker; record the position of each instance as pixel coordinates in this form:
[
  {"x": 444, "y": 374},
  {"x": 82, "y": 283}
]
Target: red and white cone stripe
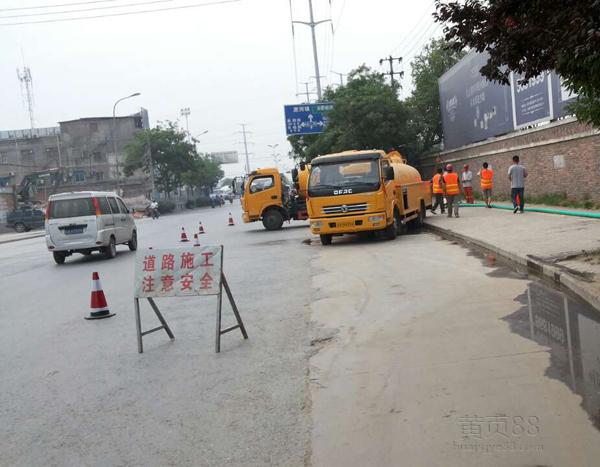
[{"x": 98, "y": 305}]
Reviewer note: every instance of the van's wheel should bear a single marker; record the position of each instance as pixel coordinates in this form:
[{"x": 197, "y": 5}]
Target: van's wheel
[
  {"x": 132, "y": 244},
  {"x": 59, "y": 257},
  {"x": 391, "y": 231},
  {"x": 325, "y": 239},
  {"x": 272, "y": 219},
  {"x": 111, "y": 250},
  {"x": 20, "y": 227}
]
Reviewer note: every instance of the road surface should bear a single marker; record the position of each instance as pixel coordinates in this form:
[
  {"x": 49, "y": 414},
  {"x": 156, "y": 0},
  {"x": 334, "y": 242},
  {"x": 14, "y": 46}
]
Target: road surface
[{"x": 413, "y": 352}]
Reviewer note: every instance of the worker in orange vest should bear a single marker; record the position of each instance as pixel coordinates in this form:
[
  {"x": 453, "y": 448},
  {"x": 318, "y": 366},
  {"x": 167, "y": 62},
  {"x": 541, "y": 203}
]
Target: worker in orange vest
[
  {"x": 487, "y": 183},
  {"x": 452, "y": 189},
  {"x": 438, "y": 191}
]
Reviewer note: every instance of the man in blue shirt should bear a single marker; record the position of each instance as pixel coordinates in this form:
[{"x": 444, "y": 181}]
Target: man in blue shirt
[{"x": 517, "y": 175}]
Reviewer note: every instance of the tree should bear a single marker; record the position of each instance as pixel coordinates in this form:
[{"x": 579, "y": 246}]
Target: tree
[
  {"x": 367, "y": 114},
  {"x": 424, "y": 102},
  {"x": 204, "y": 173},
  {"x": 531, "y": 37},
  {"x": 171, "y": 155}
]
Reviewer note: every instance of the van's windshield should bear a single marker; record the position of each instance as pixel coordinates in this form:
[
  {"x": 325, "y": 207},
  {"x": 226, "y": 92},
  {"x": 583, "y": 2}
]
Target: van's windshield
[{"x": 78, "y": 207}]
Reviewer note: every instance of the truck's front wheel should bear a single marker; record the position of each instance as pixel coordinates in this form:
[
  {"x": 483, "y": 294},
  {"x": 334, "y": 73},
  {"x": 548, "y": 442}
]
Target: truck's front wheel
[
  {"x": 272, "y": 220},
  {"x": 325, "y": 239},
  {"x": 391, "y": 231}
]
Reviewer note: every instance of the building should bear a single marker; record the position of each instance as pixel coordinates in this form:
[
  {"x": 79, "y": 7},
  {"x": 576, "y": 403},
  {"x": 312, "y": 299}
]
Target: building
[{"x": 76, "y": 155}]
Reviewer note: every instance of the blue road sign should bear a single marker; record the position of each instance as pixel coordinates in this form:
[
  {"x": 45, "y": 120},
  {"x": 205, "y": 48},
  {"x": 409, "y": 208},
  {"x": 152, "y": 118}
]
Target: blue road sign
[{"x": 306, "y": 119}]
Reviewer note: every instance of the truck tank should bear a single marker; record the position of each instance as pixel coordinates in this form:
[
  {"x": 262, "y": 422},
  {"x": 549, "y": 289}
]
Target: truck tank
[{"x": 404, "y": 173}]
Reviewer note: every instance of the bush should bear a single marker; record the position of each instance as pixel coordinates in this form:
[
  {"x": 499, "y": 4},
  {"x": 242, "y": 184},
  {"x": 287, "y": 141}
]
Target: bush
[
  {"x": 202, "y": 201},
  {"x": 189, "y": 204},
  {"x": 165, "y": 206}
]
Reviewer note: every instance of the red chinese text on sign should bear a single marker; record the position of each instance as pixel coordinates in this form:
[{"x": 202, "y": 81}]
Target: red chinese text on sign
[
  {"x": 168, "y": 262},
  {"x": 150, "y": 263}
]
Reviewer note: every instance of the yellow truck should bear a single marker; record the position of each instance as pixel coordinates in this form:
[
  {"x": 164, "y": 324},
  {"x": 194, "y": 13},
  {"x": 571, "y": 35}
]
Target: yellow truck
[
  {"x": 363, "y": 191},
  {"x": 268, "y": 197}
]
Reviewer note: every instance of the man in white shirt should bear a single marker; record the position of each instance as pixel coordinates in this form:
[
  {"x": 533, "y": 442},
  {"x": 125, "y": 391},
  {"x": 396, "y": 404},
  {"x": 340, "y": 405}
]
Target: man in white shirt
[{"x": 466, "y": 177}]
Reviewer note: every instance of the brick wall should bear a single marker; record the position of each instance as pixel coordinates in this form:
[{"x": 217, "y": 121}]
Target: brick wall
[{"x": 563, "y": 156}]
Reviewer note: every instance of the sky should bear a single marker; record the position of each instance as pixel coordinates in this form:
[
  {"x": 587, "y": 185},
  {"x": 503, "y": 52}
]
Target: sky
[{"x": 229, "y": 63}]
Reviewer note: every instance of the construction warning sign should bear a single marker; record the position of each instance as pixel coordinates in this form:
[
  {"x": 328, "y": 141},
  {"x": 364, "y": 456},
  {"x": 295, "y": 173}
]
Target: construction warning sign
[{"x": 178, "y": 272}]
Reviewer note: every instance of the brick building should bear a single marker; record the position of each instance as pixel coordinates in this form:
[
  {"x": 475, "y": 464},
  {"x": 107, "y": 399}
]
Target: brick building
[
  {"x": 561, "y": 157},
  {"x": 78, "y": 153}
]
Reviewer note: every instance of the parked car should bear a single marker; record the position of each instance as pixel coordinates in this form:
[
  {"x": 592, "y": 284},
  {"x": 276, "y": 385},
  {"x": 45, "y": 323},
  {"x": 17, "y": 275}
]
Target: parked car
[
  {"x": 24, "y": 219},
  {"x": 87, "y": 221}
]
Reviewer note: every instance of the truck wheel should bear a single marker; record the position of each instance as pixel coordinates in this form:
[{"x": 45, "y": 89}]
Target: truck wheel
[
  {"x": 111, "y": 250},
  {"x": 272, "y": 220},
  {"x": 132, "y": 244},
  {"x": 59, "y": 257},
  {"x": 391, "y": 231},
  {"x": 20, "y": 227},
  {"x": 325, "y": 239}
]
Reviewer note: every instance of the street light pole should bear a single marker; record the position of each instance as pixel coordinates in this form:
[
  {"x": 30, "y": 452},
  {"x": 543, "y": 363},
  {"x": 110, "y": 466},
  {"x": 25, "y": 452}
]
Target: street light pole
[
  {"x": 114, "y": 136},
  {"x": 185, "y": 112}
]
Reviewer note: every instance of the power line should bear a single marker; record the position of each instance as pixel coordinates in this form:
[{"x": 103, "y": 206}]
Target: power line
[
  {"x": 415, "y": 27},
  {"x": 128, "y": 13},
  {"x": 110, "y": 7},
  {"x": 38, "y": 7},
  {"x": 294, "y": 46}
]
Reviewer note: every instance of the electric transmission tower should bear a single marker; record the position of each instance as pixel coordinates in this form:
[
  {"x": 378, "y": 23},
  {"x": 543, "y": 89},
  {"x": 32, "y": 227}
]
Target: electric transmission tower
[{"x": 27, "y": 91}]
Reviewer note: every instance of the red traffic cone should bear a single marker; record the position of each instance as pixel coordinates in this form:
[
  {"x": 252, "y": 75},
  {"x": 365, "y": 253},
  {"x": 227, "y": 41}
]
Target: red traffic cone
[
  {"x": 231, "y": 223},
  {"x": 183, "y": 236},
  {"x": 200, "y": 229},
  {"x": 196, "y": 241},
  {"x": 98, "y": 306}
]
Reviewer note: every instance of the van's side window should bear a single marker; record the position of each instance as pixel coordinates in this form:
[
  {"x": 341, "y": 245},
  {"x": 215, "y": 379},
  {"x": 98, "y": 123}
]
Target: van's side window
[
  {"x": 113, "y": 205},
  {"x": 122, "y": 206},
  {"x": 104, "y": 208}
]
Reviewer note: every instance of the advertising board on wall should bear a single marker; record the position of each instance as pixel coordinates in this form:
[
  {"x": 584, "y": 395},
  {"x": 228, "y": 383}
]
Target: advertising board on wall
[{"x": 474, "y": 108}]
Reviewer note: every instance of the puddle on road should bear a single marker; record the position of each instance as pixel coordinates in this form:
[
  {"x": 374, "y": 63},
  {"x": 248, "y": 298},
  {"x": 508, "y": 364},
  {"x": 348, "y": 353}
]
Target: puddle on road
[
  {"x": 571, "y": 330},
  {"x": 566, "y": 325}
]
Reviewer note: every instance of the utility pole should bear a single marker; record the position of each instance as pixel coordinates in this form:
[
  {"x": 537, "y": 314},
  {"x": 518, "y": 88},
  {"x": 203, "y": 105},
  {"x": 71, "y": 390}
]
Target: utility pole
[
  {"x": 307, "y": 93},
  {"x": 245, "y": 147},
  {"x": 185, "y": 112},
  {"x": 341, "y": 75},
  {"x": 313, "y": 24},
  {"x": 391, "y": 60}
]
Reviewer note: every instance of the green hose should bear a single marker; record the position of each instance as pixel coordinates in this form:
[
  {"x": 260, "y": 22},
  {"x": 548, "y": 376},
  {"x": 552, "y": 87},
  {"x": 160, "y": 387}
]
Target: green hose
[{"x": 592, "y": 215}]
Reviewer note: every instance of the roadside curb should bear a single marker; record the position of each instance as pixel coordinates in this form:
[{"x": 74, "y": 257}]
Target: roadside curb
[
  {"x": 18, "y": 239},
  {"x": 580, "y": 288}
]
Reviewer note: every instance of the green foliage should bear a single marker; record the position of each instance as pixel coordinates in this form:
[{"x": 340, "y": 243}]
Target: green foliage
[
  {"x": 531, "y": 37},
  {"x": 165, "y": 206},
  {"x": 424, "y": 102},
  {"x": 174, "y": 160},
  {"x": 367, "y": 115},
  {"x": 203, "y": 173}
]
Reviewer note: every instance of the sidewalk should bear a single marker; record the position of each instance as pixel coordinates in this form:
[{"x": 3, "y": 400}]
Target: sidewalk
[
  {"x": 564, "y": 248},
  {"x": 14, "y": 237}
]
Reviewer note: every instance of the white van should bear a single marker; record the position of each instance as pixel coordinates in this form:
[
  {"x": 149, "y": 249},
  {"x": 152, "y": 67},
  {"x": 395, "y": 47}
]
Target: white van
[{"x": 86, "y": 221}]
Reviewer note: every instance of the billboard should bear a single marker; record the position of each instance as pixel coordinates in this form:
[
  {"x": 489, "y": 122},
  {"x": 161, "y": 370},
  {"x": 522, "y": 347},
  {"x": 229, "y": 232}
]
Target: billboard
[
  {"x": 306, "y": 119},
  {"x": 531, "y": 100},
  {"x": 473, "y": 108},
  {"x": 225, "y": 157}
]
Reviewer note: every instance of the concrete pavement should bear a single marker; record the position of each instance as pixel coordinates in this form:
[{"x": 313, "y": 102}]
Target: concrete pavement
[
  {"x": 563, "y": 248},
  {"x": 75, "y": 392},
  {"x": 365, "y": 352}
]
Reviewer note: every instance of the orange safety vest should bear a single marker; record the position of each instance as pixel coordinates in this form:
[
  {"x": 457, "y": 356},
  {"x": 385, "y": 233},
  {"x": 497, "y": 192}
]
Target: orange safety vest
[
  {"x": 437, "y": 184},
  {"x": 451, "y": 181},
  {"x": 487, "y": 179}
]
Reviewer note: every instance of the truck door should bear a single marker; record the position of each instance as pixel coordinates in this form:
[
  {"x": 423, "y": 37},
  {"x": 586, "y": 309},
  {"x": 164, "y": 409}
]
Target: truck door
[
  {"x": 262, "y": 192},
  {"x": 389, "y": 186}
]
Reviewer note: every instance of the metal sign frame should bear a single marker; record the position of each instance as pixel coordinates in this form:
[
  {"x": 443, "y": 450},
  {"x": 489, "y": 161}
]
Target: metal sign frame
[{"x": 164, "y": 325}]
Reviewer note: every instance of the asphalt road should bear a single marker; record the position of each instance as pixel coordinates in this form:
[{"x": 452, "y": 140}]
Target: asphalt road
[{"x": 363, "y": 353}]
